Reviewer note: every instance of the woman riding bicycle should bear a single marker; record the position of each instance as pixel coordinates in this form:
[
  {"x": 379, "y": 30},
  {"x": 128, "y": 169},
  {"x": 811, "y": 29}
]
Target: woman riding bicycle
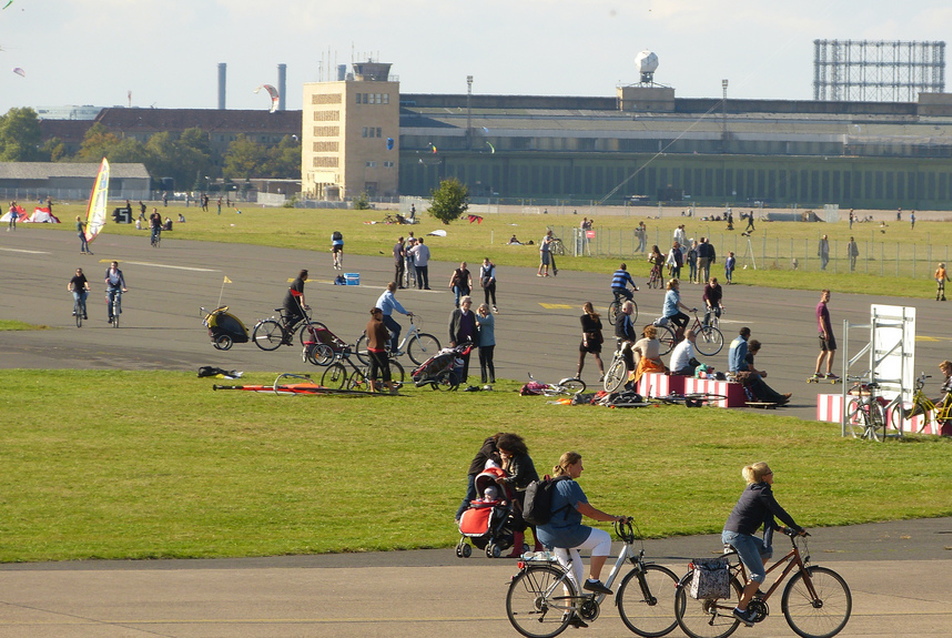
[
  {"x": 755, "y": 508},
  {"x": 565, "y": 533},
  {"x": 79, "y": 286},
  {"x": 671, "y": 312}
]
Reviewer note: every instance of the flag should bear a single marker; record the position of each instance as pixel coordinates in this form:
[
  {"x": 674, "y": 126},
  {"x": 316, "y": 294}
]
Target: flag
[{"x": 227, "y": 280}]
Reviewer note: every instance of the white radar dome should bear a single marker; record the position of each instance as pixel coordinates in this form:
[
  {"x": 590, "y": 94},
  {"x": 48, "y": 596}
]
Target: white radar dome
[{"x": 647, "y": 62}]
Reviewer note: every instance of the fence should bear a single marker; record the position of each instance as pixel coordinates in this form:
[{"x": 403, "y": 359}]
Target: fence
[{"x": 765, "y": 252}]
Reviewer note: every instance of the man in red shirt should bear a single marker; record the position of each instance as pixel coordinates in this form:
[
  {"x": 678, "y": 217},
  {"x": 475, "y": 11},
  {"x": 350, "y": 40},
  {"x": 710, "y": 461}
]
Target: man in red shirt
[{"x": 827, "y": 340}]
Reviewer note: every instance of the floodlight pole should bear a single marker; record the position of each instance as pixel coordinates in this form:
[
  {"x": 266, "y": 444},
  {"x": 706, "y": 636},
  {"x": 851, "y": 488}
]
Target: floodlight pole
[
  {"x": 724, "y": 116},
  {"x": 469, "y": 113}
]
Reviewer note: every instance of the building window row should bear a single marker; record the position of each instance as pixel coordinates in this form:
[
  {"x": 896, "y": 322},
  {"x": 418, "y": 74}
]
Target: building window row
[
  {"x": 373, "y": 98},
  {"x": 371, "y": 164},
  {"x": 327, "y": 116},
  {"x": 326, "y": 131},
  {"x": 326, "y": 147},
  {"x": 371, "y": 131},
  {"x": 326, "y": 98},
  {"x": 325, "y": 162}
]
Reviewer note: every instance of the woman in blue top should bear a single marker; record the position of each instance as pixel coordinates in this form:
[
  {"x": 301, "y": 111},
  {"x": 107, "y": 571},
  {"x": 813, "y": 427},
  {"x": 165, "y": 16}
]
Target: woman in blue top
[
  {"x": 672, "y": 303},
  {"x": 565, "y": 533},
  {"x": 756, "y": 507},
  {"x": 487, "y": 343}
]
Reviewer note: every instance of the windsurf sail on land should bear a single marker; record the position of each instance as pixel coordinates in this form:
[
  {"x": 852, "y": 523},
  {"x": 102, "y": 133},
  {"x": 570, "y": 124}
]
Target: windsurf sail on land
[{"x": 96, "y": 212}]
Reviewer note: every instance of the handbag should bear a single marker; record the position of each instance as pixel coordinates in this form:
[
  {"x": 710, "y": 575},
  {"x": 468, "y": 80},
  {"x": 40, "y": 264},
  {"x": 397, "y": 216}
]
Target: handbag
[{"x": 711, "y": 579}]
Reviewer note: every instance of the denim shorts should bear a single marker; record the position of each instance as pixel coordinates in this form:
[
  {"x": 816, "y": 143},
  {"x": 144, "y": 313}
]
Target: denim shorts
[{"x": 751, "y": 551}]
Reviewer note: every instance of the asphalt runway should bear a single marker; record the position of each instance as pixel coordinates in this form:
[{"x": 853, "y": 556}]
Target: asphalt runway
[{"x": 537, "y": 329}]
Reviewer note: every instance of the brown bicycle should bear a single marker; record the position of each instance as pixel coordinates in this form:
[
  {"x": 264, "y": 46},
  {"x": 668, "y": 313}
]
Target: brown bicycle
[{"x": 816, "y": 600}]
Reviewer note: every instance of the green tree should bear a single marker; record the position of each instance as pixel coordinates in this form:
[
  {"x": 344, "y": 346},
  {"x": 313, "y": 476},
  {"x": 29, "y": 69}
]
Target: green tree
[
  {"x": 180, "y": 158},
  {"x": 20, "y": 136},
  {"x": 53, "y": 150},
  {"x": 284, "y": 160},
  {"x": 449, "y": 201},
  {"x": 244, "y": 158}
]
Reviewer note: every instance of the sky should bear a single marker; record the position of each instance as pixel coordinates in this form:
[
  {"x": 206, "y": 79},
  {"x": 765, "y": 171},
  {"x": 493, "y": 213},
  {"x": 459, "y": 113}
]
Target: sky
[{"x": 166, "y": 52}]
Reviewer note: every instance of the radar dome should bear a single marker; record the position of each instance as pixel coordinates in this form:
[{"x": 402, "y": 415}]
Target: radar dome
[{"x": 646, "y": 61}]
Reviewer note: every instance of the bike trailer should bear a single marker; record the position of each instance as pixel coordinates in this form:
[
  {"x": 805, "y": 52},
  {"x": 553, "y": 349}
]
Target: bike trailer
[{"x": 224, "y": 328}]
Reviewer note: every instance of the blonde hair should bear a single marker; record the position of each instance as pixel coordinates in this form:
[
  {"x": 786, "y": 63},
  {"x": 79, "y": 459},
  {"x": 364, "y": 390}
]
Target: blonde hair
[
  {"x": 650, "y": 332},
  {"x": 567, "y": 459},
  {"x": 756, "y": 472}
]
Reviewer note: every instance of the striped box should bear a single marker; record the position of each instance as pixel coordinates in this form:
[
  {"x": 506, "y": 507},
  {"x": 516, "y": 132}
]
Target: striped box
[
  {"x": 656, "y": 384},
  {"x": 829, "y": 407},
  {"x": 733, "y": 391}
]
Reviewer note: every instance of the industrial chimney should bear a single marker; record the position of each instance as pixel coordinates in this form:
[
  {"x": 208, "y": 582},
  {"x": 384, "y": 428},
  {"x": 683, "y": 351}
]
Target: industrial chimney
[
  {"x": 282, "y": 85},
  {"x": 222, "y": 72}
]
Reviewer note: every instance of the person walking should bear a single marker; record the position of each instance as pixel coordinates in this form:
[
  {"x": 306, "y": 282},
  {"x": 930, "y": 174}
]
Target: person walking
[
  {"x": 461, "y": 282},
  {"x": 729, "y": 265},
  {"x": 750, "y": 222},
  {"x": 487, "y": 279},
  {"x": 852, "y": 250},
  {"x": 823, "y": 252},
  {"x": 545, "y": 256},
  {"x": 592, "y": 340},
  {"x": 337, "y": 249},
  {"x": 421, "y": 261},
  {"x": 756, "y": 507},
  {"x": 81, "y": 231},
  {"x": 691, "y": 258},
  {"x": 675, "y": 260},
  {"x": 398, "y": 265},
  {"x": 827, "y": 340},
  {"x": 12, "y": 224},
  {"x": 387, "y": 302},
  {"x": 912, "y": 220},
  {"x": 642, "y": 234},
  {"x": 941, "y": 276},
  {"x": 486, "y": 324}
]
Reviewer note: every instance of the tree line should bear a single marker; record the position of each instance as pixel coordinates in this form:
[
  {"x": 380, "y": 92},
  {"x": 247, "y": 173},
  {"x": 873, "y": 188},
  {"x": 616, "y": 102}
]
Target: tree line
[{"x": 186, "y": 157}]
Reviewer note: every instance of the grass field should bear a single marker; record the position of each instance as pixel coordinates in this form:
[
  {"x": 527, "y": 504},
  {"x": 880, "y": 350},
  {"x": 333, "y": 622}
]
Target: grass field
[
  {"x": 156, "y": 464},
  {"x": 887, "y": 265}
]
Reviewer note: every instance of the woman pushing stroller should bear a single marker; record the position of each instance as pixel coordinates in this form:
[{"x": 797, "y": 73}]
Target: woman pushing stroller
[{"x": 520, "y": 471}]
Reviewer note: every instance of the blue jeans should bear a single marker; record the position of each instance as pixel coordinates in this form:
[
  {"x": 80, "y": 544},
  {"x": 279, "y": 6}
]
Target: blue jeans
[
  {"x": 79, "y": 302},
  {"x": 752, "y": 552},
  {"x": 394, "y": 329},
  {"x": 460, "y": 291},
  {"x": 111, "y": 294}
]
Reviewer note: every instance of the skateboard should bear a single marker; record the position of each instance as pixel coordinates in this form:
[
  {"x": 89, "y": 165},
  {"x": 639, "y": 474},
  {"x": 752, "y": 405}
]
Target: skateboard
[
  {"x": 763, "y": 405},
  {"x": 823, "y": 380}
]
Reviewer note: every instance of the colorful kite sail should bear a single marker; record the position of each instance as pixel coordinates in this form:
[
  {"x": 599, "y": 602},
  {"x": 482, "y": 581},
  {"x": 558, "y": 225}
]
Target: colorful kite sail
[
  {"x": 96, "y": 212},
  {"x": 19, "y": 72},
  {"x": 273, "y": 92}
]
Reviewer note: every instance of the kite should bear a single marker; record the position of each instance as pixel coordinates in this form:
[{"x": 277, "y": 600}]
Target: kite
[
  {"x": 98, "y": 198},
  {"x": 492, "y": 149},
  {"x": 19, "y": 72},
  {"x": 8, "y": 4},
  {"x": 273, "y": 92},
  {"x": 475, "y": 218},
  {"x": 433, "y": 147},
  {"x": 389, "y": 143}
]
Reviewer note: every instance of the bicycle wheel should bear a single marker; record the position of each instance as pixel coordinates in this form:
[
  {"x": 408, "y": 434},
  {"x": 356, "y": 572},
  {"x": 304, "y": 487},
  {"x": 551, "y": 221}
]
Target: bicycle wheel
[
  {"x": 667, "y": 338},
  {"x": 572, "y": 386},
  {"x": 634, "y": 312},
  {"x": 319, "y": 354},
  {"x": 646, "y": 601},
  {"x": 698, "y": 399},
  {"x": 877, "y": 422},
  {"x": 308, "y": 332},
  {"x": 78, "y": 316},
  {"x": 335, "y": 376},
  {"x": 613, "y": 309},
  {"x": 447, "y": 380},
  {"x": 396, "y": 372},
  {"x": 116, "y": 311},
  {"x": 359, "y": 381},
  {"x": 421, "y": 347},
  {"x": 360, "y": 349},
  {"x": 896, "y": 416},
  {"x": 268, "y": 335},
  {"x": 856, "y": 418},
  {"x": 540, "y": 601},
  {"x": 616, "y": 375},
  {"x": 706, "y": 618},
  {"x": 709, "y": 341},
  {"x": 824, "y": 616}
]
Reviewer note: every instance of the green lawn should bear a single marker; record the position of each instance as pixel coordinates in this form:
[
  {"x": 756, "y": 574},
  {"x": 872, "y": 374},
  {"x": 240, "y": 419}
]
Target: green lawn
[
  {"x": 886, "y": 266},
  {"x": 156, "y": 464}
]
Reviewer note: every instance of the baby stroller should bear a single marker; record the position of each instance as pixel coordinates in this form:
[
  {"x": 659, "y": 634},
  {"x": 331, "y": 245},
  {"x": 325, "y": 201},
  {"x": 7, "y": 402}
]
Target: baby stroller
[
  {"x": 224, "y": 328},
  {"x": 321, "y": 346},
  {"x": 443, "y": 370},
  {"x": 487, "y": 523}
]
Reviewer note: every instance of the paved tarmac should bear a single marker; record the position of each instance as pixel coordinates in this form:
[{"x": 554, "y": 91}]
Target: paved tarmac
[{"x": 899, "y": 572}]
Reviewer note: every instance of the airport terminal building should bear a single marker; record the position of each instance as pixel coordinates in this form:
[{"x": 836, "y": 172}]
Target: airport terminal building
[{"x": 644, "y": 143}]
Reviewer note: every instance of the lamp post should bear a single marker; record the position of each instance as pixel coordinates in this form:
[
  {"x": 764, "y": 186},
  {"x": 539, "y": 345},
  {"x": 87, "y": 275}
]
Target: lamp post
[
  {"x": 724, "y": 116},
  {"x": 469, "y": 113}
]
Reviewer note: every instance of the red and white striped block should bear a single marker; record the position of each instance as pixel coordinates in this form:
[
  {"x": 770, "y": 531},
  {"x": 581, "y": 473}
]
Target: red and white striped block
[
  {"x": 656, "y": 384},
  {"x": 733, "y": 391},
  {"x": 914, "y": 423},
  {"x": 829, "y": 407}
]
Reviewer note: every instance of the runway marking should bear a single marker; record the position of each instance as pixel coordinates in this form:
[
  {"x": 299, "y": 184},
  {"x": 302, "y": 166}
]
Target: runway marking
[
  {"x": 556, "y": 306},
  {"x": 28, "y": 252},
  {"x": 154, "y": 265},
  {"x": 928, "y": 339}
]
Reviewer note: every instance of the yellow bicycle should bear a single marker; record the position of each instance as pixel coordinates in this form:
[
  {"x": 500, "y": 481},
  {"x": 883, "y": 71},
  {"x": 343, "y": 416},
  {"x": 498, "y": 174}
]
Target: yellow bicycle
[{"x": 898, "y": 410}]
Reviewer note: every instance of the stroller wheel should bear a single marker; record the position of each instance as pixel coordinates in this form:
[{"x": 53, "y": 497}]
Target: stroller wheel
[
  {"x": 467, "y": 551},
  {"x": 223, "y": 342},
  {"x": 493, "y": 551}
]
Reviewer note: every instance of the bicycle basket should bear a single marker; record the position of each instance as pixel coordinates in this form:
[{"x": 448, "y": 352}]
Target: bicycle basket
[{"x": 711, "y": 578}]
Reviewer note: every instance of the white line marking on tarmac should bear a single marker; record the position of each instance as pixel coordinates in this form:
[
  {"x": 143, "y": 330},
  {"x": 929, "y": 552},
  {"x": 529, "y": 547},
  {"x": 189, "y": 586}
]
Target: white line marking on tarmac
[
  {"x": 28, "y": 252},
  {"x": 146, "y": 263}
]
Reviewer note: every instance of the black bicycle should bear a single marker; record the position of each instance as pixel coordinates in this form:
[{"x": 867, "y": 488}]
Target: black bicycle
[{"x": 270, "y": 334}]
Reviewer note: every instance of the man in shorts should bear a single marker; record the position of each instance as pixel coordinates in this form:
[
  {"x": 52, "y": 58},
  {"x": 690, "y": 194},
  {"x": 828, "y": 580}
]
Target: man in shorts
[{"x": 827, "y": 340}]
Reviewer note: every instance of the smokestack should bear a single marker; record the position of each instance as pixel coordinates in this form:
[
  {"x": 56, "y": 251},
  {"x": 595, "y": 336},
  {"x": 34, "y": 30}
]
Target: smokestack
[
  {"x": 282, "y": 85},
  {"x": 222, "y": 72}
]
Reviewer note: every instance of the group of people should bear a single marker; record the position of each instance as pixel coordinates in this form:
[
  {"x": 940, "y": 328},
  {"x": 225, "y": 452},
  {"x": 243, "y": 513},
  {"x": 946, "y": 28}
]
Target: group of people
[
  {"x": 565, "y": 534},
  {"x": 115, "y": 285}
]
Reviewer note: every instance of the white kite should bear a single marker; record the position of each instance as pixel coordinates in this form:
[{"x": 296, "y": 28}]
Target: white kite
[{"x": 273, "y": 92}]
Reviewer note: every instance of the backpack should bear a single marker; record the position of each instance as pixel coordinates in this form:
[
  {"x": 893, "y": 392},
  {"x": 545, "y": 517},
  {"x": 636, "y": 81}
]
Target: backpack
[
  {"x": 531, "y": 388},
  {"x": 537, "y": 508},
  {"x": 337, "y": 236}
]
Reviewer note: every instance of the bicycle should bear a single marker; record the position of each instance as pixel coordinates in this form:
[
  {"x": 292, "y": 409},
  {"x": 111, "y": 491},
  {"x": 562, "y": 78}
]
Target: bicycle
[
  {"x": 156, "y": 238},
  {"x": 655, "y": 279},
  {"x": 816, "y": 602},
  {"x": 616, "y": 375},
  {"x": 543, "y": 598},
  {"x": 337, "y": 377},
  {"x": 114, "y": 299},
  {"x": 270, "y": 334},
  {"x": 79, "y": 308},
  {"x": 865, "y": 414},
  {"x": 419, "y": 346},
  {"x": 709, "y": 339},
  {"x": 614, "y": 308},
  {"x": 921, "y": 405},
  {"x": 690, "y": 400},
  {"x": 569, "y": 386}
]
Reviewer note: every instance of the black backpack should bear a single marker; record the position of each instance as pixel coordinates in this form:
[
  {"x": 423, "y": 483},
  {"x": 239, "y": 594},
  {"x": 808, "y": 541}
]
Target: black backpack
[
  {"x": 537, "y": 509},
  {"x": 337, "y": 236}
]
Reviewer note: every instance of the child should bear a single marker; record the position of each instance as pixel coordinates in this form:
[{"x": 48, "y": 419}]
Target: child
[
  {"x": 729, "y": 267},
  {"x": 941, "y": 276},
  {"x": 491, "y": 493}
]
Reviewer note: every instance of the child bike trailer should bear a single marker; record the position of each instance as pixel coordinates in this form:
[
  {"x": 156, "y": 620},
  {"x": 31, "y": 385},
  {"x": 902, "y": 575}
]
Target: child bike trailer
[
  {"x": 443, "y": 370},
  {"x": 224, "y": 328}
]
